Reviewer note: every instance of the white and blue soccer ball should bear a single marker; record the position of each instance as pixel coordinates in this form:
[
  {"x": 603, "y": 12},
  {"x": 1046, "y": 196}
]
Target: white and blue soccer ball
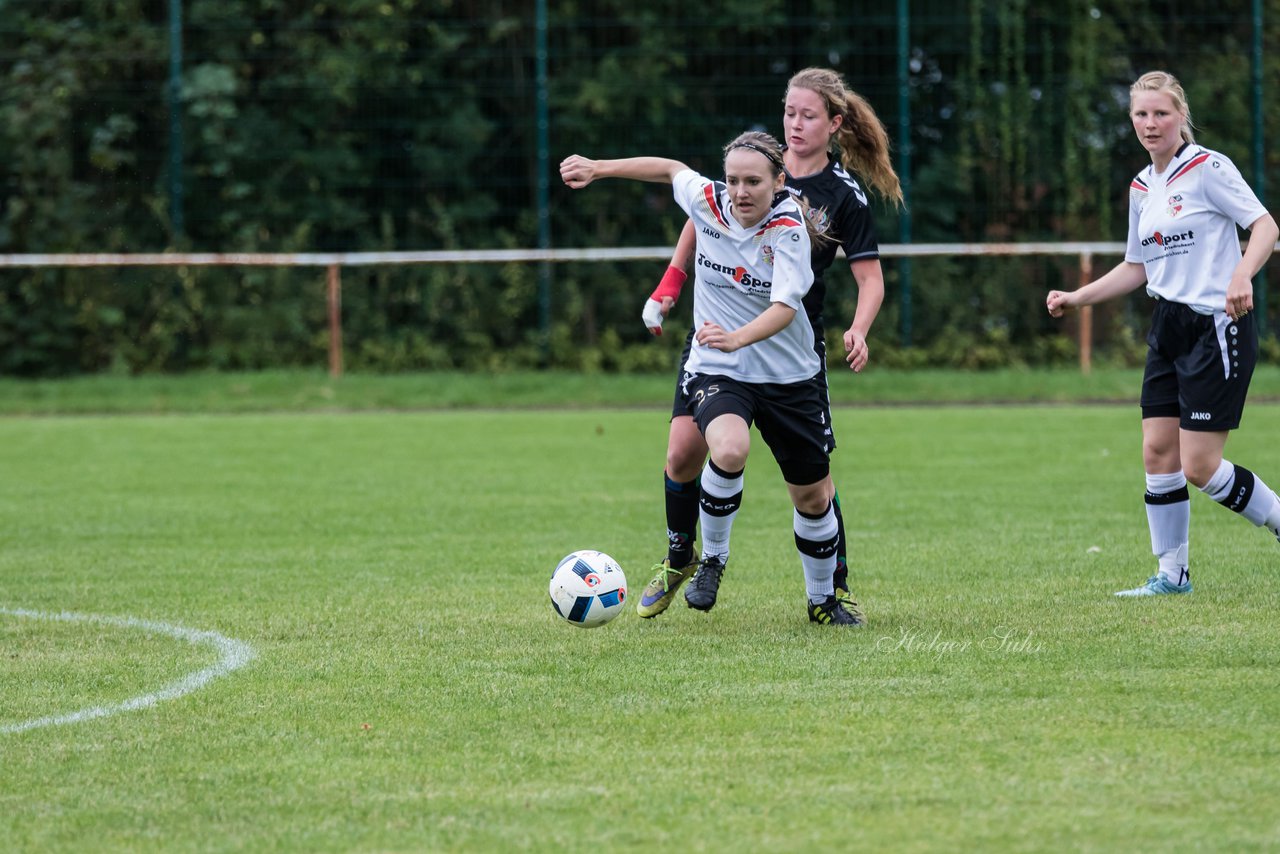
[{"x": 588, "y": 588}]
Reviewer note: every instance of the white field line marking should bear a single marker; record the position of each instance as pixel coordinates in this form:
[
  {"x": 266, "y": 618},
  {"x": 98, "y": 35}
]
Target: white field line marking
[{"x": 233, "y": 654}]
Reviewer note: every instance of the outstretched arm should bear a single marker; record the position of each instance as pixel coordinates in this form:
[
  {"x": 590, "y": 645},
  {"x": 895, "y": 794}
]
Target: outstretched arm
[{"x": 578, "y": 171}]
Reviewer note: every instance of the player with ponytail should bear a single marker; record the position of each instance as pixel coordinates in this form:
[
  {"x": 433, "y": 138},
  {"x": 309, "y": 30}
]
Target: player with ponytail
[
  {"x": 833, "y": 142},
  {"x": 752, "y": 360}
]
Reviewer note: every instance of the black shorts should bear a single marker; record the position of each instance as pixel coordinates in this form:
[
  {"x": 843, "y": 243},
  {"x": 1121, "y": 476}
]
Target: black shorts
[
  {"x": 794, "y": 419},
  {"x": 679, "y": 406},
  {"x": 1198, "y": 367}
]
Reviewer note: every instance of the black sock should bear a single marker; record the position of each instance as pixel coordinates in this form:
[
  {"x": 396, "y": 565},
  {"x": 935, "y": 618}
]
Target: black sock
[
  {"x": 682, "y": 520},
  {"x": 842, "y": 561}
]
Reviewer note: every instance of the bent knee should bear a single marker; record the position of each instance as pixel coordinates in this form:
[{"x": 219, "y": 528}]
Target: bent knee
[
  {"x": 685, "y": 463},
  {"x": 1199, "y": 471},
  {"x": 813, "y": 505},
  {"x": 812, "y": 499},
  {"x": 730, "y": 457}
]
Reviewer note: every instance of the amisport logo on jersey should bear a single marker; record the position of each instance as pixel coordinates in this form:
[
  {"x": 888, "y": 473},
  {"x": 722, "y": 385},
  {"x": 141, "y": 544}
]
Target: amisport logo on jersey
[
  {"x": 738, "y": 274},
  {"x": 1169, "y": 239}
]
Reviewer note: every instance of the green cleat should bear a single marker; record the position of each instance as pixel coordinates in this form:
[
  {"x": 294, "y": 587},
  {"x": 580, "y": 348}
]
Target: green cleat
[{"x": 661, "y": 589}]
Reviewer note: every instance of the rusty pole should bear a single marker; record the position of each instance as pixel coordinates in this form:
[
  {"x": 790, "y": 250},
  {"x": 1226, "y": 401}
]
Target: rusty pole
[
  {"x": 335, "y": 321},
  {"x": 1086, "y": 316}
]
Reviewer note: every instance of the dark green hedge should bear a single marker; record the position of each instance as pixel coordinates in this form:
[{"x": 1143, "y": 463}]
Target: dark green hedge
[{"x": 412, "y": 124}]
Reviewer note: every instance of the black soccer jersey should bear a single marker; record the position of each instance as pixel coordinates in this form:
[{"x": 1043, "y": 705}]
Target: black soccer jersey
[{"x": 837, "y": 201}]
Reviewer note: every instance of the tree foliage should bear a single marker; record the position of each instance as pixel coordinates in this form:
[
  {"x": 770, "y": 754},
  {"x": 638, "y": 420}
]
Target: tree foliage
[{"x": 413, "y": 124}]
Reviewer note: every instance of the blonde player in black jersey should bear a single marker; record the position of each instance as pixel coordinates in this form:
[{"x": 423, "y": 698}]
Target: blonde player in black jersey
[
  {"x": 1183, "y": 213},
  {"x": 832, "y": 136},
  {"x": 753, "y": 358}
]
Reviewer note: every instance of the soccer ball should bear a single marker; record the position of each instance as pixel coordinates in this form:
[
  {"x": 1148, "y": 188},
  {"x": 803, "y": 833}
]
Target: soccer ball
[{"x": 588, "y": 588}]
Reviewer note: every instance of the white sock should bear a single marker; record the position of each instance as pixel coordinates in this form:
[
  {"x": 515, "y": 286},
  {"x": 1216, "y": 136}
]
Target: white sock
[
  {"x": 1169, "y": 518},
  {"x": 1174, "y": 566},
  {"x": 1238, "y": 489},
  {"x": 720, "y": 498},
  {"x": 816, "y": 540}
]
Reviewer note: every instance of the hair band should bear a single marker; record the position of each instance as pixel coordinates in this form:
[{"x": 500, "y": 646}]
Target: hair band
[{"x": 770, "y": 156}]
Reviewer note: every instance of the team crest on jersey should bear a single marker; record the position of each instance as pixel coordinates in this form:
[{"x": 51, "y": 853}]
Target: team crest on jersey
[
  {"x": 1175, "y": 205},
  {"x": 762, "y": 238},
  {"x": 820, "y": 219}
]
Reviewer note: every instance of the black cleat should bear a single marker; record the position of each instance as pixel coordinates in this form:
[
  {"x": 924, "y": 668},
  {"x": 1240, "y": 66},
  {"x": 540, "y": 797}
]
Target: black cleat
[
  {"x": 846, "y": 600},
  {"x": 702, "y": 589},
  {"x": 832, "y": 612}
]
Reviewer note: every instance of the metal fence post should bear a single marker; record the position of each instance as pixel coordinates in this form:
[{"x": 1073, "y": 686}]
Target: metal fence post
[{"x": 175, "y": 122}]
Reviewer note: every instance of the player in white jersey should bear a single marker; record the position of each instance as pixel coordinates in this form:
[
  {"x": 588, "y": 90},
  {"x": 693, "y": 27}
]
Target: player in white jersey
[
  {"x": 1203, "y": 344},
  {"x": 833, "y": 137},
  {"x": 753, "y": 359}
]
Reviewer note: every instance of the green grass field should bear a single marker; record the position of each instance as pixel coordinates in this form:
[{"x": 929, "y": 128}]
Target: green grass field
[
  {"x": 410, "y": 688},
  {"x": 316, "y": 391}
]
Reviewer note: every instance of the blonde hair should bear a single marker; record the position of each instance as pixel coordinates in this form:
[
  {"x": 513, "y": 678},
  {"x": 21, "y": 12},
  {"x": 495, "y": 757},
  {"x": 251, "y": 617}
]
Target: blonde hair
[
  {"x": 862, "y": 140},
  {"x": 1163, "y": 81},
  {"x": 764, "y": 144}
]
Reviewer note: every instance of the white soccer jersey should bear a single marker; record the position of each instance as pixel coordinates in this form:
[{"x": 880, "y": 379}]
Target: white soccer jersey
[
  {"x": 1182, "y": 227},
  {"x": 738, "y": 273}
]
